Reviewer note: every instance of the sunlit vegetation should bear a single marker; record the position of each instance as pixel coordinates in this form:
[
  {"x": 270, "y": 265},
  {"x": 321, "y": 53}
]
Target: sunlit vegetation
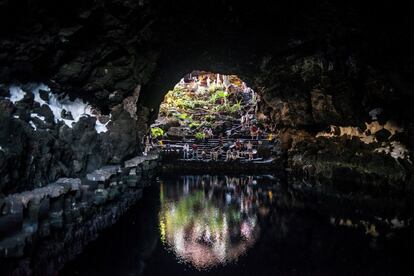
[
  {"x": 200, "y": 136},
  {"x": 203, "y": 100},
  {"x": 157, "y": 132}
]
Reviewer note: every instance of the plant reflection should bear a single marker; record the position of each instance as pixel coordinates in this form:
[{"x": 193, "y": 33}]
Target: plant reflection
[{"x": 209, "y": 220}]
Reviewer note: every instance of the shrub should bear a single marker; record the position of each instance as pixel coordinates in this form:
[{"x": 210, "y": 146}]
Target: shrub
[{"x": 157, "y": 132}]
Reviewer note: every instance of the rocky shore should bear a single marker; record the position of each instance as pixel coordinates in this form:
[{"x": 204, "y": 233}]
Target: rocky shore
[{"x": 44, "y": 228}]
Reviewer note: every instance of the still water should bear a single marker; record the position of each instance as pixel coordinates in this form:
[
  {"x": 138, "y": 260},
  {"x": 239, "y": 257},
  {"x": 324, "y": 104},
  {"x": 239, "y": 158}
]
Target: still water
[{"x": 249, "y": 225}]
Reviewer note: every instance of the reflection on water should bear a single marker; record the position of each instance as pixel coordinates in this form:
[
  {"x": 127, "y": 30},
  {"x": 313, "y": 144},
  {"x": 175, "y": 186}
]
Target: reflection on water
[
  {"x": 210, "y": 220},
  {"x": 261, "y": 225}
]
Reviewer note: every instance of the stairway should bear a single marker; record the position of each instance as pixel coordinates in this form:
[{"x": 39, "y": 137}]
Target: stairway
[{"x": 208, "y": 145}]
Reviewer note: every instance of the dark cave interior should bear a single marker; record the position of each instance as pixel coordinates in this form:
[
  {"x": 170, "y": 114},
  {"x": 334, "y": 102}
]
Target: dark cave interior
[{"x": 81, "y": 83}]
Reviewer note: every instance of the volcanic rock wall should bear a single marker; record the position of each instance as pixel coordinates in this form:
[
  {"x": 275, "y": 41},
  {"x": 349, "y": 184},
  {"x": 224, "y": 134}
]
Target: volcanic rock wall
[
  {"x": 99, "y": 52},
  {"x": 43, "y": 228}
]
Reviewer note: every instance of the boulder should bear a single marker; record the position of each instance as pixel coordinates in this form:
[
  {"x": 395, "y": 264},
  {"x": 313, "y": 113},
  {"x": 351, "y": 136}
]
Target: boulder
[
  {"x": 4, "y": 92},
  {"x": 382, "y": 135},
  {"x": 44, "y": 95},
  {"x": 178, "y": 132}
]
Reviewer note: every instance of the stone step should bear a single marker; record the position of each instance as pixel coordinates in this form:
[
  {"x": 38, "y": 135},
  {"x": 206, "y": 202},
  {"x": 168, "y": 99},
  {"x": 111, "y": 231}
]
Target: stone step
[
  {"x": 140, "y": 159},
  {"x": 104, "y": 173}
]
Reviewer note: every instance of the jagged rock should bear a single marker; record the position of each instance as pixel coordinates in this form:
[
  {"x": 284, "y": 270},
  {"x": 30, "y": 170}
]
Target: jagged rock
[
  {"x": 178, "y": 132},
  {"x": 4, "y": 92},
  {"x": 45, "y": 111},
  {"x": 66, "y": 115},
  {"x": 104, "y": 119},
  {"x": 6, "y": 107},
  {"x": 101, "y": 196},
  {"x": 27, "y": 101},
  {"x": 39, "y": 124},
  {"x": 103, "y": 174},
  {"x": 130, "y": 103},
  {"x": 70, "y": 72},
  {"x": 113, "y": 193},
  {"x": 349, "y": 164},
  {"x": 382, "y": 135},
  {"x": 323, "y": 110},
  {"x": 44, "y": 95},
  {"x": 115, "y": 97},
  {"x": 71, "y": 184},
  {"x": 134, "y": 162},
  {"x": 67, "y": 32}
]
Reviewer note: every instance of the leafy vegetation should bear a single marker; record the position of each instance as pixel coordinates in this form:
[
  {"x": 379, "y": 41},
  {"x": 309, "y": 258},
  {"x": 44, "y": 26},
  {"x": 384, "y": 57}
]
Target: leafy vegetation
[
  {"x": 196, "y": 105},
  {"x": 218, "y": 95},
  {"x": 200, "y": 136},
  {"x": 235, "y": 108},
  {"x": 183, "y": 116},
  {"x": 210, "y": 118},
  {"x": 194, "y": 125},
  {"x": 157, "y": 132}
]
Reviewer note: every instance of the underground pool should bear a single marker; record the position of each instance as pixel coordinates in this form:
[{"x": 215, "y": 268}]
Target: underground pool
[{"x": 246, "y": 225}]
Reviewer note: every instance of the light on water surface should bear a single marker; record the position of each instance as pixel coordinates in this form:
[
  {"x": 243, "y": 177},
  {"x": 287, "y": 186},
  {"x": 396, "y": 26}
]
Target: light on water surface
[{"x": 209, "y": 220}]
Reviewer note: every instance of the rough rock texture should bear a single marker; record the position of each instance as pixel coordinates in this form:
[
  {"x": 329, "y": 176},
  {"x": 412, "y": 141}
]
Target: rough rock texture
[
  {"x": 351, "y": 165},
  {"x": 97, "y": 51},
  {"x": 36, "y": 152},
  {"x": 43, "y": 228}
]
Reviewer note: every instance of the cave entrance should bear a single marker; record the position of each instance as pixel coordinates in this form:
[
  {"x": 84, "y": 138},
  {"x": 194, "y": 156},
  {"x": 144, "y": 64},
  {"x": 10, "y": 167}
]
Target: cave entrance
[{"x": 213, "y": 111}]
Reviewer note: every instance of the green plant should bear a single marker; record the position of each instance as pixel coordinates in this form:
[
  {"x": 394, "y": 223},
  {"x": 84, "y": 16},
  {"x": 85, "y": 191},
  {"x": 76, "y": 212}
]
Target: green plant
[
  {"x": 179, "y": 103},
  {"x": 157, "y": 132},
  {"x": 194, "y": 125},
  {"x": 178, "y": 91},
  {"x": 207, "y": 124},
  {"x": 200, "y": 136},
  {"x": 220, "y": 108},
  {"x": 199, "y": 103},
  {"x": 210, "y": 118},
  {"x": 235, "y": 107},
  {"x": 183, "y": 116},
  {"x": 218, "y": 95}
]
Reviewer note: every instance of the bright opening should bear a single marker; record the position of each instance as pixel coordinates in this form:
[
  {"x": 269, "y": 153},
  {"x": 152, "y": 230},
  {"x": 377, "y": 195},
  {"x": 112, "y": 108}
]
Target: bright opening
[{"x": 210, "y": 116}]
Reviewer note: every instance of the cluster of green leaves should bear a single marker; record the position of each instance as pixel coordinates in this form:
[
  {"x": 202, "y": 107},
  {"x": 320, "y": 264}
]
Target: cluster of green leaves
[
  {"x": 184, "y": 103},
  {"x": 200, "y": 136},
  {"x": 235, "y": 108},
  {"x": 220, "y": 94},
  {"x": 183, "y": 116},
  {"x": 210, "y": 118},
  {"x": 220, "y": 108},
  {"x": 200, "y": 103},
  {"x": 194, "y": 125},
  {"x": 157, "y": 132}
]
